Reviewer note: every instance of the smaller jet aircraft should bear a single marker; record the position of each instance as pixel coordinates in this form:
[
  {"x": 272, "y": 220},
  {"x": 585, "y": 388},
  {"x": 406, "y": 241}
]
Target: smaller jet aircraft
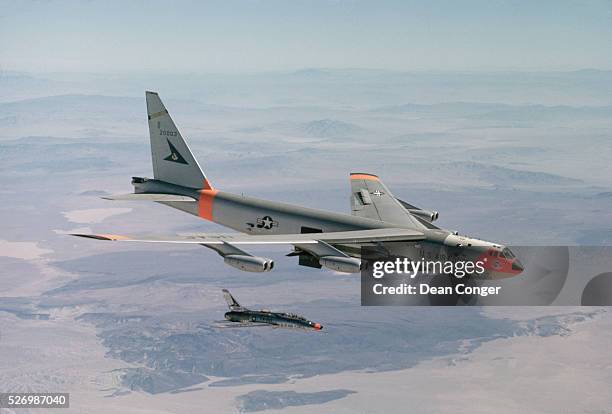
[{"x": 240, "y": 317}]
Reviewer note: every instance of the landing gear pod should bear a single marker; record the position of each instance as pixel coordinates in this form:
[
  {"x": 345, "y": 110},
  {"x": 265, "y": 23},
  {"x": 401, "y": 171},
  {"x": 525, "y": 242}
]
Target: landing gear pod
[
  {"x": 249, "y": 263},
  {"x": 341, "y": 264}
]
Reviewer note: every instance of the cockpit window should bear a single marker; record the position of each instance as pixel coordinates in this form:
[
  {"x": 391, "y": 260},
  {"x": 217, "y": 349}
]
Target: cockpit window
[{"x": 508, "y": 254}]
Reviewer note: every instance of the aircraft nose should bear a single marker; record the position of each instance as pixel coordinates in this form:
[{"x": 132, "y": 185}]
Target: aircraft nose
[
  {"x": 517, "y": 266},
  {"x": 318, "y": 326}
]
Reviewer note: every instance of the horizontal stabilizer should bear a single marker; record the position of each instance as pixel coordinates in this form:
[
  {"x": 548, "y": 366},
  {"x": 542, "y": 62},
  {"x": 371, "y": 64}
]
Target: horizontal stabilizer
[
  {"x": 340, "y": 237},
  {"x": 149, "y": 197}
]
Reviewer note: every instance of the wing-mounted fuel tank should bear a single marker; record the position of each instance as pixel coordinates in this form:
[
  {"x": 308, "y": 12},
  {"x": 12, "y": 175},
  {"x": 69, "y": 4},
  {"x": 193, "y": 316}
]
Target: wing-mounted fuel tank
[
  {"x": 240, "y": 259},
  {"x": 430, "y": 216}
]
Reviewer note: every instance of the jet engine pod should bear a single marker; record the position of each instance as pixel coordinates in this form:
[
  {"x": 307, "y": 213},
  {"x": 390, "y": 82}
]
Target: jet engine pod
[
  {"x": 249, "y": 263},
  {"x": 425, "y": 214},
  {"x": 341, "y": 264}
]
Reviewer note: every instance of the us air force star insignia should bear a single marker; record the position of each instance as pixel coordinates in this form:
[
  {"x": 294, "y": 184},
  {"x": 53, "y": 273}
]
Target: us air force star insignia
[
  {"x": 377, "y": 193},
  {"x": 265, "y": 222},
  {"x": 174, "y": 156}
]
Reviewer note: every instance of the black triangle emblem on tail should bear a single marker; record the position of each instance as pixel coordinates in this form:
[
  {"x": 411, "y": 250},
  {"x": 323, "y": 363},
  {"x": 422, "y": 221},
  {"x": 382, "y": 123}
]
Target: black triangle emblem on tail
[{"x": 175, "y": 156}]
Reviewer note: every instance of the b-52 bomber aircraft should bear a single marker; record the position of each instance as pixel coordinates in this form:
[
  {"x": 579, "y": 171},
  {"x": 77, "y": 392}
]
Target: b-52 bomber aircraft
[
  {"x": 243, "y": 317},
  {"x": 319, "y": 238}
]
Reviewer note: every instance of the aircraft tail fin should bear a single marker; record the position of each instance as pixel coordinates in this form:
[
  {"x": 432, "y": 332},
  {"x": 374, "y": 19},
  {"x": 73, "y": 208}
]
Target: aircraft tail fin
[
  {"x": 173, "y": 161},
  {"x": 231, "y": 302}
]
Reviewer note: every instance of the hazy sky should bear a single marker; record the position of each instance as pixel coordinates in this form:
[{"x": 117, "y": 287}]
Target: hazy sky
[{"x": 244, "y": 36}]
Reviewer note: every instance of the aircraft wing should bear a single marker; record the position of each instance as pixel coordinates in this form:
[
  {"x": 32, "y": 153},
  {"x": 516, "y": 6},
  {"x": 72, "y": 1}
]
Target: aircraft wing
[
  {"x": 340, "y": 237},
  {"x": 372, "y": 199}
]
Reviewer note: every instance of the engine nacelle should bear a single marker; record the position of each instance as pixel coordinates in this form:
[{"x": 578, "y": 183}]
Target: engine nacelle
[
  {"x": 425, "y": 214},
  {"x": 341, "y": 264},
  {"x": 249, "y": 263}
]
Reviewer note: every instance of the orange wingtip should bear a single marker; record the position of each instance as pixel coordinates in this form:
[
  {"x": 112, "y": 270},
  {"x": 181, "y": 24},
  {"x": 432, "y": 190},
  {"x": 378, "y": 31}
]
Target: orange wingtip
[
  {"x": 111, "y": 237},
  {"x": 114, "y": 236},
  {"x": 364, "y": 176}
]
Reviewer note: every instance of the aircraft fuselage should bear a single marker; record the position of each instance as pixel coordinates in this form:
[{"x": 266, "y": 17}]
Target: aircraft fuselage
[
  {"x": 281, "y": 320},
  {"x": 256, "y": 216}
]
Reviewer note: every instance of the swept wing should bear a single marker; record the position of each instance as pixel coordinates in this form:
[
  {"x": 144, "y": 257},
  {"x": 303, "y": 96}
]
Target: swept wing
[{"x": 341, "y": 237}]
